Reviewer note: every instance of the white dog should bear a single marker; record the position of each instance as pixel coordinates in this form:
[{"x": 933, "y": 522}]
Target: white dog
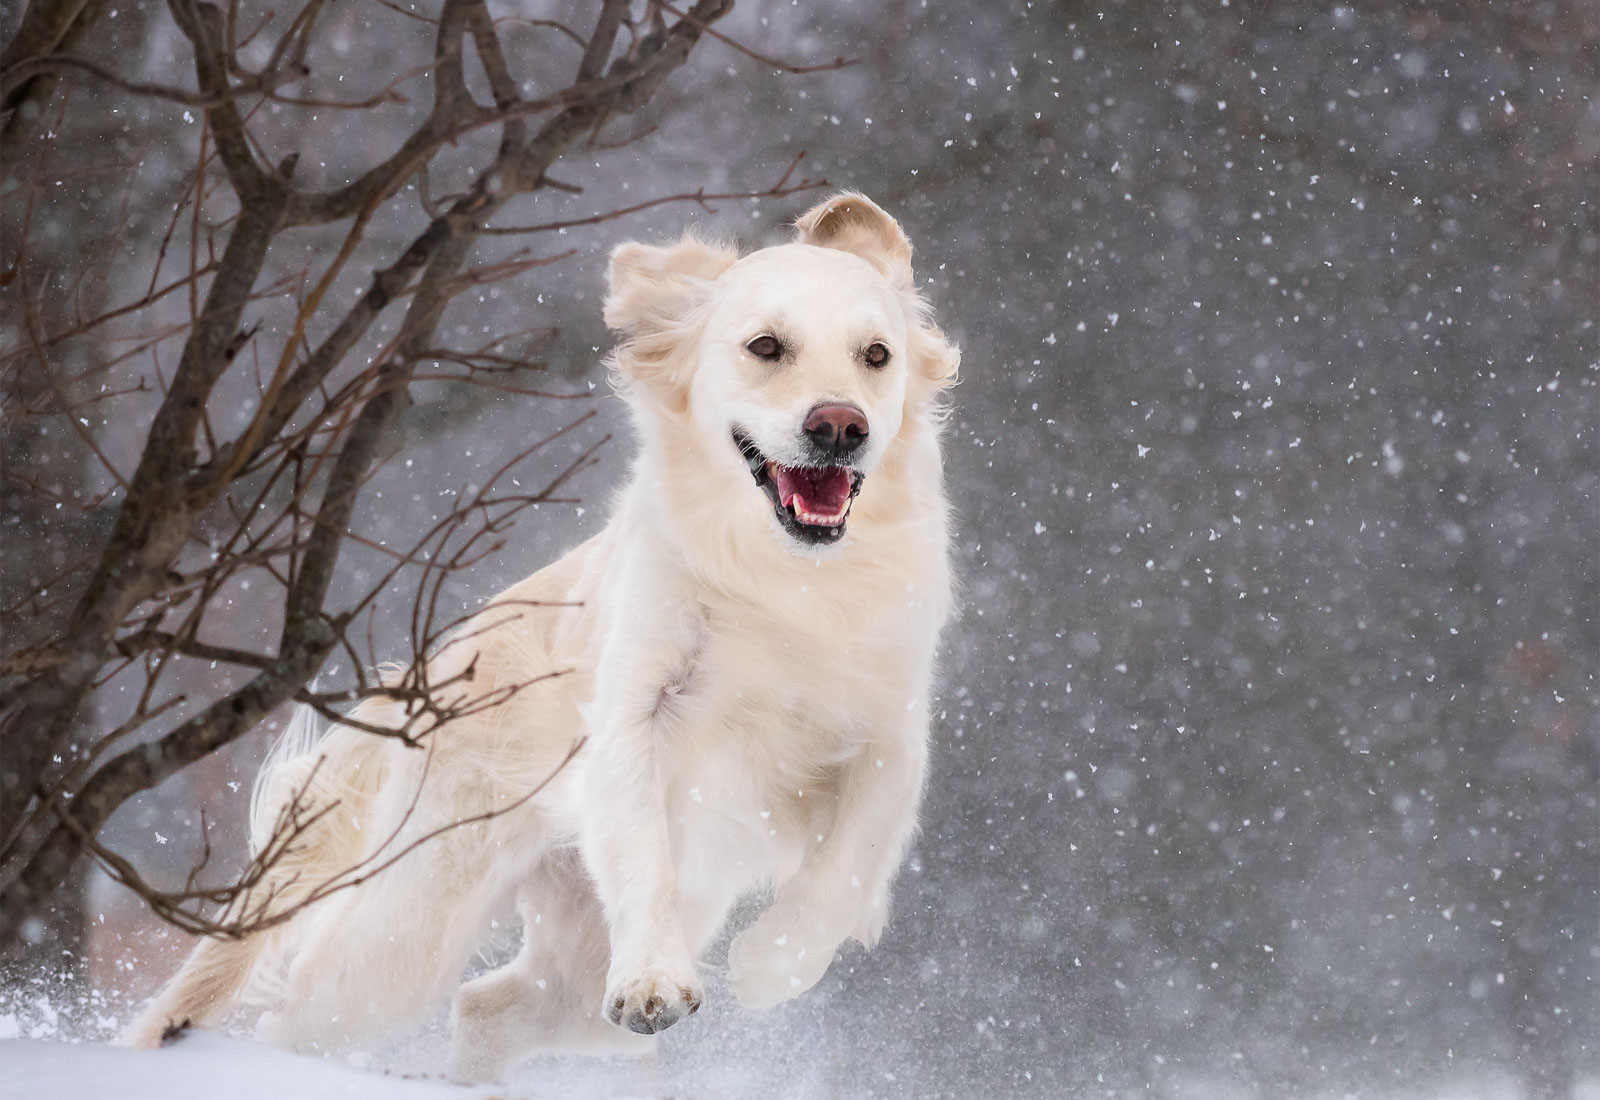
[{"x": 750, "y": 644}]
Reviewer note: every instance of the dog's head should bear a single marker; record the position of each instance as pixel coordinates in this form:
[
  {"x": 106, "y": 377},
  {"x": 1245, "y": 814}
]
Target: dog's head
[{"x": 797, "y": 365}]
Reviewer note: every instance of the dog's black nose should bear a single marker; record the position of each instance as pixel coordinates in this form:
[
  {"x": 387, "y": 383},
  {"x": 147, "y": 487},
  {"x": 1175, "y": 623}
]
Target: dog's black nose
[{"x": 837, "y": 428}]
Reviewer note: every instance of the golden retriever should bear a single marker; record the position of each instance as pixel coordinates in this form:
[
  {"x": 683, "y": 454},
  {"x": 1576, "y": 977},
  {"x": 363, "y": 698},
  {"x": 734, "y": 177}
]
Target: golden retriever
[{"x": 749, "y": 650}]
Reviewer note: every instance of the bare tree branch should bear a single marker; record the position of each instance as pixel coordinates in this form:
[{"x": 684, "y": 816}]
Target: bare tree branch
[{"x": 273, "y": 495}]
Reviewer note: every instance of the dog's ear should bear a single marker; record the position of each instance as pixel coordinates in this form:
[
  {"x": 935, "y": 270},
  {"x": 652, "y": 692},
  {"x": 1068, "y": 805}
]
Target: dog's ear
[
  {"x": 654, "y": 291},
  {"x": 854, "y": 223},
  {"x": 933, "y": 358},
  {"x": 653, "y": 287}
]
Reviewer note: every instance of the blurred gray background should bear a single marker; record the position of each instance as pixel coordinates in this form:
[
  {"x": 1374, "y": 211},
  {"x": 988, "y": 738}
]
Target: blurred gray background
[{"x": 1267, "y": 748}]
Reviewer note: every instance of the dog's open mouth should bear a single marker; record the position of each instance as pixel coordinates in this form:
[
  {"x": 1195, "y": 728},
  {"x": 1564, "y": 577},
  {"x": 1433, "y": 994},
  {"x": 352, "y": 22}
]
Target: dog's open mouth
[{"x": 811, "y": 502}]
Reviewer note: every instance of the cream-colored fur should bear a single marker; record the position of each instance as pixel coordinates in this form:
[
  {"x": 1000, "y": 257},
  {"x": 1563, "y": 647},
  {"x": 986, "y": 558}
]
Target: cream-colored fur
[{"x": 755, "y": 710}]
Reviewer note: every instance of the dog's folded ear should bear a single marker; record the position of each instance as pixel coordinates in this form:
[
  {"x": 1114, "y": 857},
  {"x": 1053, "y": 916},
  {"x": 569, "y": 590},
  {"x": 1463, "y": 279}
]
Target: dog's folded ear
[
  {"x": 854, "y": 223},
  {"x": 653, "y": 287},
  {"x": 654, "y": 291}
]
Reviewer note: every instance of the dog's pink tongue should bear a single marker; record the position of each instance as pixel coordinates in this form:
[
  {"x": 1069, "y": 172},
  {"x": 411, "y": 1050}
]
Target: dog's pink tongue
[{"x": 824, "y": 491}]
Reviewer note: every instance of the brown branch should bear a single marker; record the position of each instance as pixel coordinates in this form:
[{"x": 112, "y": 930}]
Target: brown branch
[
  {"x": 152, "y": 640},
  {"x": 701, "y": 197},
  {"x": 48, "y": 26},
  {"x": 151, "y": 524},
  {"x": 81, "y": 327},
  {"x": 599, "y": 46},
  {"x": 773, "y": 62},
  {"x": 201, "y": 24},
  {"x": 32, "y": 67},
  {"x": 548, "y": 24}
]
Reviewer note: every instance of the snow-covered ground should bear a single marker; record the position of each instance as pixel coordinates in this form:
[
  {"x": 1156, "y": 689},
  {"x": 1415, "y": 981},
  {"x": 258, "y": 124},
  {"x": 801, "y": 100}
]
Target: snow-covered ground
[
  {"x": 205, "y": 1066},
  {"x": 200, "y": 1067},
  {"x": 54, "y": 1046}
]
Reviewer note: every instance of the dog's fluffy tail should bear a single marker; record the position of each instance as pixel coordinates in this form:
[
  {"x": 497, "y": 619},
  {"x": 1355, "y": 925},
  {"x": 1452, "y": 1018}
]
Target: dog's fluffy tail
[
  {"x": 273, "y": 790},
  {"x": 310, "y": 801}
]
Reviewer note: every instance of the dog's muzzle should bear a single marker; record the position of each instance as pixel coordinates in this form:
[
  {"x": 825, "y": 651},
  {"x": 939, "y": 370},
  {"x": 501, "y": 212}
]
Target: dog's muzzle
[{"x": 812, "y": 502}]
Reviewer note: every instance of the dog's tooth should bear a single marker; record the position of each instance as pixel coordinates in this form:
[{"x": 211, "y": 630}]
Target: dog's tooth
[{"x": 816, "y": 519}]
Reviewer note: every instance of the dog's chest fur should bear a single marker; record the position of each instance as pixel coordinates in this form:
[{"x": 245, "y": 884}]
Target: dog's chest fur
[{"x": 776, "y": 695}]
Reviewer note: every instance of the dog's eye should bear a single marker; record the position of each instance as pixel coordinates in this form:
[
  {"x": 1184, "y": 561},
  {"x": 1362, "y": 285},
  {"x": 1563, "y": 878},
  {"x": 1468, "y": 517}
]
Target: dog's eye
[
  {"x": 765, "y": 347},
  {"x": 876, "y": 355}
]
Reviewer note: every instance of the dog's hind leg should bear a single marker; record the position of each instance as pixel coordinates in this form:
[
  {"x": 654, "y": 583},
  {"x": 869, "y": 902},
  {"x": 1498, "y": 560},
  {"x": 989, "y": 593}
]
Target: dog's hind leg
[
  {"x": 328, "y": 793},
  {"x": 379, "y": 954},
  {"x": 207, "y": 984},
  {"x": 548, "y": 997}
]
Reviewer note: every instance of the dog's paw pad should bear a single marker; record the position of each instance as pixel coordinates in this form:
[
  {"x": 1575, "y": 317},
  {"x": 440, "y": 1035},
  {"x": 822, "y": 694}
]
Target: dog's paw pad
[{"x": 650, "y": 1004}]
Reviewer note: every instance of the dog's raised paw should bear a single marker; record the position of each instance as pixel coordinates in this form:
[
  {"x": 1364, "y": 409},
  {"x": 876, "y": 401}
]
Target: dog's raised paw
[
  {"x": 767, "y": 967},
  {"x": 651, "y": 1002}
]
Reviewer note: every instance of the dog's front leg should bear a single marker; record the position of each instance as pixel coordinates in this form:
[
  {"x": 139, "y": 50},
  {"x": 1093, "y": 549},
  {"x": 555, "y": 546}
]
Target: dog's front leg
[
  {"x": 842, "y": 889},
  {"x": 651, "y": 982}
]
